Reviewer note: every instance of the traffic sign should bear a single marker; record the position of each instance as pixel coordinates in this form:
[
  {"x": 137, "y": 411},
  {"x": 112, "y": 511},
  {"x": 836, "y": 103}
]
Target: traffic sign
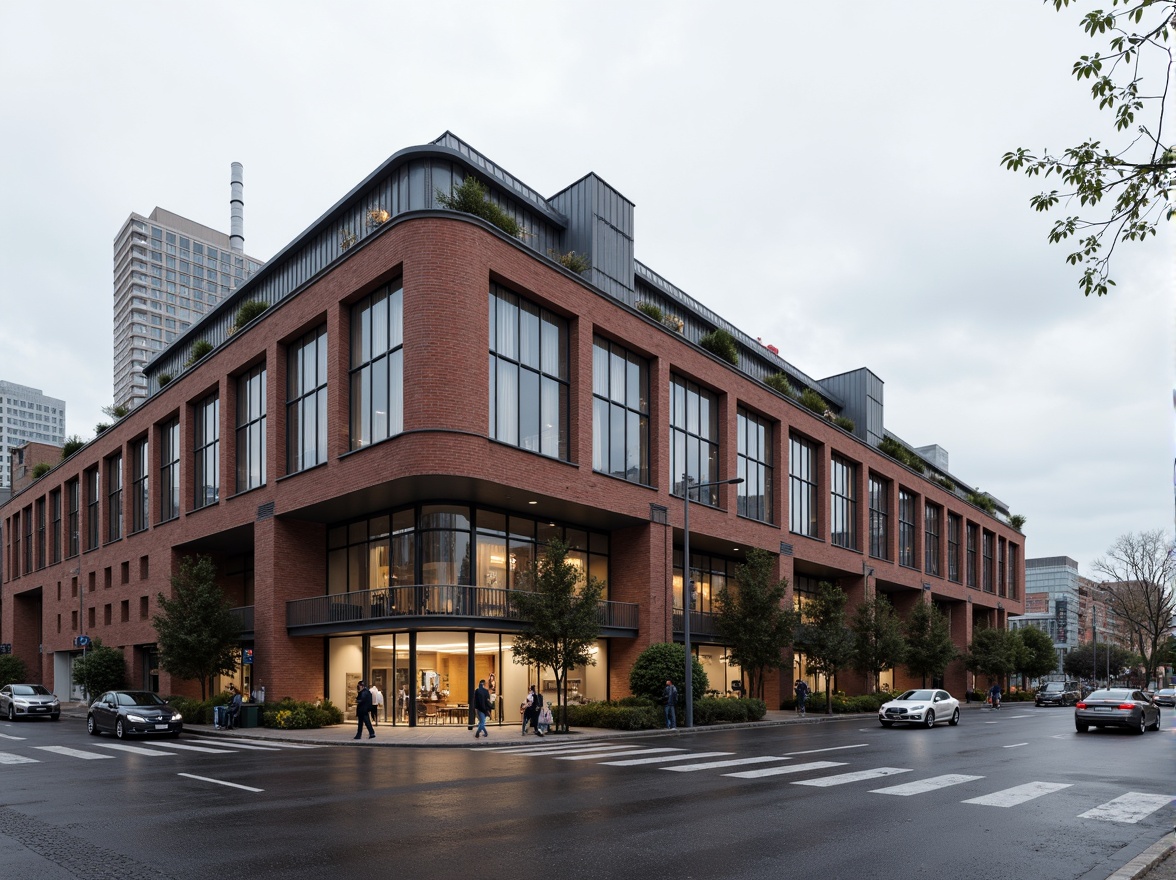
[{"x": 81, "y": 641}]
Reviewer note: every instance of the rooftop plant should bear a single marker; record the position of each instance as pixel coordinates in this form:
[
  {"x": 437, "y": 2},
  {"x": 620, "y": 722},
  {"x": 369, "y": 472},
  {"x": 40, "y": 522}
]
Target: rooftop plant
[
  {"x": 40, "y": 469},
  {"x": 1017, "y": 521},
  {"x": 71, "y": 445},
  {"x": 247, "y": 311},
  {"x": 844, "y": 422},
  {"x": 984, "y": 502},
  {"x": 813, "y": 401},
  {"x": 472, "y": 198},
  {"x": 898, "y": 452},
  {"x": 164, "y": 378},
  {"x": 200, "y": 348},
  {"x": 653, "y": 310},
  {"x": 721, "y": 344},
  {"x": 116, "y": 411},
  {"x": 572, "y": 261},
  {"x": 779, "y": 382}
]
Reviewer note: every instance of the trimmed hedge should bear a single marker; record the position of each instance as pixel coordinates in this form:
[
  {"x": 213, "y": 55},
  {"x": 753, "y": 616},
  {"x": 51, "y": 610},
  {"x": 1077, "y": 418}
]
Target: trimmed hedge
[
  {"x": 291, "y": 714},
  {"x": 842, "y": 704},
  {"x": 637, "y": 713},
  {"x": 198, "y": 711}
]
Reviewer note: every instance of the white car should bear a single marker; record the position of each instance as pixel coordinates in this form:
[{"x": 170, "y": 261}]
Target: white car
[
  {"x": 924, "y": 706},
  {"x": 28, "y": 701}
]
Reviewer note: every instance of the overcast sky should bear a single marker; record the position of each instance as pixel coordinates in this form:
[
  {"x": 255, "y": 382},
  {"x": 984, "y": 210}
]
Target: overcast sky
[{"x": 825, "y": 176}]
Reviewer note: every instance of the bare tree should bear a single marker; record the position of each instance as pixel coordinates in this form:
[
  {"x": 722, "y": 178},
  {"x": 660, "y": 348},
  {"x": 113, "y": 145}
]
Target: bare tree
[{"x": 1139, "y": 568}]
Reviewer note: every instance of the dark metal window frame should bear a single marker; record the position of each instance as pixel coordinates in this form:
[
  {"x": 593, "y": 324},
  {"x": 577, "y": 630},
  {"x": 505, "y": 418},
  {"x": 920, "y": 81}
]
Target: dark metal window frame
[
  {"x": 304, "y": 397},
  {"x": 370, "y": 356},
  {"x": 843, "y": 503},
  {"x": 614, "y": 405},
  {"x": 251, "y": 412},
  {"x": 754, "y": 463}
]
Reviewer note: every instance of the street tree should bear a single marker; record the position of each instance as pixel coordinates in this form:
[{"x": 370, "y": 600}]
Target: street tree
[
  {"x": 562, "y": 617},
  {"x": 1139, "y": 568},
  {"x": 929, "y": 647},
  {"x": 198, "y": 636},
  {"x": 662, "y": 662},
  {"x": 1037, "y": 657},
  {"x": 879, "y": 643},
  {"x": 753, "y": 619},
  {"x": 1120, "y": 182},
  {"x": 824, "y": 638},
  {"x": 1091, "y": 662},
  {"x": 100, "y": 669},
  {"x": 12, "y": 670},
  {"x": 994, "y": 653}
]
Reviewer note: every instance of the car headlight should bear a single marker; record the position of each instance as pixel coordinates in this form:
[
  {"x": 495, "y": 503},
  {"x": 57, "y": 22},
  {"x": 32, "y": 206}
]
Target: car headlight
[
  {"x": 176, "y": 716},
  {"x": 138, "y": 719}
]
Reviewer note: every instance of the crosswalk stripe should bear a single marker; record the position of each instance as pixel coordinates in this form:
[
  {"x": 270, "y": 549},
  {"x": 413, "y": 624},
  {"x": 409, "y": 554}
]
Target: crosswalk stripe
[
  {"x": 237, "y": 743},
  {"x": 136, "y": 750},
  {"x": 830, "y": 749},
  {"x": 925, "y": 785},
  {"x": 9, "y": 736},
  {"x": 72, "y": 753},
  {"x": 1129, "y": 808},
  {"x": 857, "y": 776},
  {"x": 735, "y": 762},
  {"x": 189, "y": 748},
  {"x": 1018, "y": 794},
  {"x": 788, "y": 768},
  {"x": 635, "y": 762},
  {"x": 558, "y": 750},
  {"x": 615, "y": 754},
  {"x": 9, "y": 758}
]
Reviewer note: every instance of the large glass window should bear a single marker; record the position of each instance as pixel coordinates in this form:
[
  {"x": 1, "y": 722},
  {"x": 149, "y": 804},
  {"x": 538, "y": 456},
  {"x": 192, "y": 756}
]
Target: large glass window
[
  {"x": 528, "y": 375},
  {"x": 55, "y": 525},
  {"x": 27, "y": 516},
  {"x": 1001, "y": 587},
  {"x": 620, "y": 412},
  {"x": 251, "y": 429},
  {"x": 802, "y": 487},
  {"x": 709, "y": 575},
  {"x": 306, "y": 402},
  {"x": 973, "y": 550},
  {"x": 931, "y": 527},
  {"x": 906, "y": 528},
  {"x": 989, "y": 540},
  {"x": 140, "y": 466},
  {"x": 377, "y": 366},
  {"x": 694, "y": 440},
  {"x": 843, "y": 503},
  {"x": 114, "y": 490},
  {"x": 40, "y": 533},
  {"x": 954, "y": 535},
  {"x": 879, "y": 517},
  {"x": 169, "y": 470},
  {"x": 93, "y": 503},
  {"x": 206, "y": 453},
  {"x": 74, "y": 502},
  {"x": 756, "y": 492}
]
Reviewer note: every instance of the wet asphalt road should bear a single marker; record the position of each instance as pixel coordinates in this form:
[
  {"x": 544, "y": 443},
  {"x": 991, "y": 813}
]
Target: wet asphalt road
[{"x": 279, "y": 811}]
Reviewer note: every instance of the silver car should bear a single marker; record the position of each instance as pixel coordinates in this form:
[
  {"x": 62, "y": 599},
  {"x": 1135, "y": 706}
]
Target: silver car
[
  {"x": 1117, "y": 707},
  {"x": 923, "y": 706},
  {"x": 28, "y": 701}
]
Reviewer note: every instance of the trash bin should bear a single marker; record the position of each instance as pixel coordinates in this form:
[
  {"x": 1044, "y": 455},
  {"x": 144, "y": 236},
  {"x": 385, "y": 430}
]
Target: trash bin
[
  {"x": 220, "y": 716},
  {"x": 250, "y": 715}
]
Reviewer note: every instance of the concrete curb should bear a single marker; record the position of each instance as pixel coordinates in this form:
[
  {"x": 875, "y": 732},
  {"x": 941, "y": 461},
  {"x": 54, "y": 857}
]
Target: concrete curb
[{"x": 1148, "y": 859}]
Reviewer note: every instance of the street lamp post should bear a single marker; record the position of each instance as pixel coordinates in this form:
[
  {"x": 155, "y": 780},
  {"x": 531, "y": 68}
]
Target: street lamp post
[{"x": 688, "y": 584}]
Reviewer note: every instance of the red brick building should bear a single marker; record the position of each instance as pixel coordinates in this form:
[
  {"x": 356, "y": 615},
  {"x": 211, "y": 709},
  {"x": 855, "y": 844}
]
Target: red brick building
[{"x": 373, "y": 462}]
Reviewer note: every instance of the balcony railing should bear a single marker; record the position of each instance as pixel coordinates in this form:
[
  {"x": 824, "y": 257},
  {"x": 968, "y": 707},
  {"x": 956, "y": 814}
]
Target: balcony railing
[
  {"x": 244, "y": 617},
  {"x": 369, "y": 609},
  {"x": 702, "y": 623}
]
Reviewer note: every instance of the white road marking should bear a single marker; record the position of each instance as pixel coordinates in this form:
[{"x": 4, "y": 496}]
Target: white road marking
[
  {"x": 188, "y": 748},
  {"x": 634, "y": 762},
  {"x": 556, "y": 750},
  {"x": 137, "y": 750},
  {"x": 925, "y": 785},
  {"x": 237, "y": 744},
  {"x": 9, "y": 758},
  {"x": 735, "y": 762},
  {"x": 1020, "y": 716},
  {"x": 1018, "y": 794},
  {"x": 1129, "y": 808},
  {"x": 7, "y": 736},
  {"x": 843, "y": 778},
  {"x": 790, "y": 768},
  {"x": 830, "y": 749},
  {"x": 615, "y": 754},
  {"x": 252, "y": 743},
  {"x": 72, "y": 753},
  {"x": 220, "y": 782},
  {"x": 1015, "y": 745}
]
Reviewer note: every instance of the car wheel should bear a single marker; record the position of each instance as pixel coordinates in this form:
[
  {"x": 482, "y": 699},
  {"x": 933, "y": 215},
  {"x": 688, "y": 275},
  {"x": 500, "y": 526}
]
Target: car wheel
[
  {"x": 1138, "y": 731},
  {"x": 55, "y": 717},
  {"x": 175, "y": 734},
  {"x": 1080, "y": 727},
  {"x": 11, "y": 713},
  {"x": 929, "y": 719},
  {"x": 1156, "y": 725},
  {"x": 955, "y": 718},
  {"x": 91, "y": 725},
  {"x": 1037, "y": 704},
  {"x": 885, "y": 723},
  {"x": 119, "y": 730}
]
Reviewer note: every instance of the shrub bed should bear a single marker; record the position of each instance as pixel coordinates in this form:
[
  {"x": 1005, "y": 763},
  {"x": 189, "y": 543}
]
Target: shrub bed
[{"x": 297, "y": 715}]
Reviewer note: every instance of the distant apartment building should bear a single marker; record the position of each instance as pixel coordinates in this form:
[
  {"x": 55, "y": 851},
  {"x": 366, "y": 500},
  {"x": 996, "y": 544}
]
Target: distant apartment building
[
  {"x": 1071, "y": 608},
  {"x": 27, "y": 416},
  {"x": 168, "y": 272}
]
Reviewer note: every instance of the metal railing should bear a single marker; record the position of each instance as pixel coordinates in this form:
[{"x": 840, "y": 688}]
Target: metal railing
[
  {"x": 244, "y": 617},
  {"x": 702, "y": 623},
  {"x": 433, "y": 601}
]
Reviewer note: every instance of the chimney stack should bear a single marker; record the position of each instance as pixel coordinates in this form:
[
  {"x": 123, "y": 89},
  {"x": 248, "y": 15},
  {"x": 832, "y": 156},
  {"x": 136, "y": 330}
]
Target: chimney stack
[{"x": 237, "y": 207}]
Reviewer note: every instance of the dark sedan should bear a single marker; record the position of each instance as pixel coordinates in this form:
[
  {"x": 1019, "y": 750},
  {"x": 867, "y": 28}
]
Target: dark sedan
[
  {"x": 1166, "y": 697},
  {"x": 1117, "y": 707},
  {"x": 1057, "y": 693},
  {"x": 127, "y": 713}
]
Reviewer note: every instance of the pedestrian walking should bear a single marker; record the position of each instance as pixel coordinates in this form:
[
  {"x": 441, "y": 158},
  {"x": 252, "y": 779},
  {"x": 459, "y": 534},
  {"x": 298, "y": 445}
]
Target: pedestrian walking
[
  {"x": 482, "y": 707},
  {"x": 527, "y": 708},
  {"x": 670, "y": 698},
  {"x": 536, "y": 709},
  {"x": 377, "y": 704},
  {"x": 363, "y": 710},
  {"x": 994, "y": 695},
  {"x": 802, "y": 695}
]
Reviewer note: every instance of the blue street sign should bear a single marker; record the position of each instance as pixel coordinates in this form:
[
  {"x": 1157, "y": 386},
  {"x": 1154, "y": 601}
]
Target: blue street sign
[
  {"x": 81, "y": 641},
  {"x": 6, "y": 648},
  {"x": 247, "y": 657}
]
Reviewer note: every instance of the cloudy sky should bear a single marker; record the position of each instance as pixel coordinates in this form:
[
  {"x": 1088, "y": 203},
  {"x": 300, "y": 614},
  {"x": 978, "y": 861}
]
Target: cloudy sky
[{"x": 825, "y": 176}]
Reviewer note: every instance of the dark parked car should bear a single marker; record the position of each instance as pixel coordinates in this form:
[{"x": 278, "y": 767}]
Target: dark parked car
[
  {"x": 1166, "y": 697},
  {"x": 1057, "y": 693},
  {"x": 28, "y": 701},
  {"x": 124, "y": 713},
  {"x": 1117, "y": 707}
]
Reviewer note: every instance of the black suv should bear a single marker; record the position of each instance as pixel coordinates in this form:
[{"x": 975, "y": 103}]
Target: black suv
[{"x": 1057, "y": 693}]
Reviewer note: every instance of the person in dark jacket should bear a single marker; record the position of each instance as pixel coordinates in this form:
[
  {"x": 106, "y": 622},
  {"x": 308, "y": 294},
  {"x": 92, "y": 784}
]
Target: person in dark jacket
[
  {"x": 363, "y": 711},
  {"x": 234, "y": 718},
  {"x": 670, "y": 700},
  {"x": 482, "y": 707}
]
